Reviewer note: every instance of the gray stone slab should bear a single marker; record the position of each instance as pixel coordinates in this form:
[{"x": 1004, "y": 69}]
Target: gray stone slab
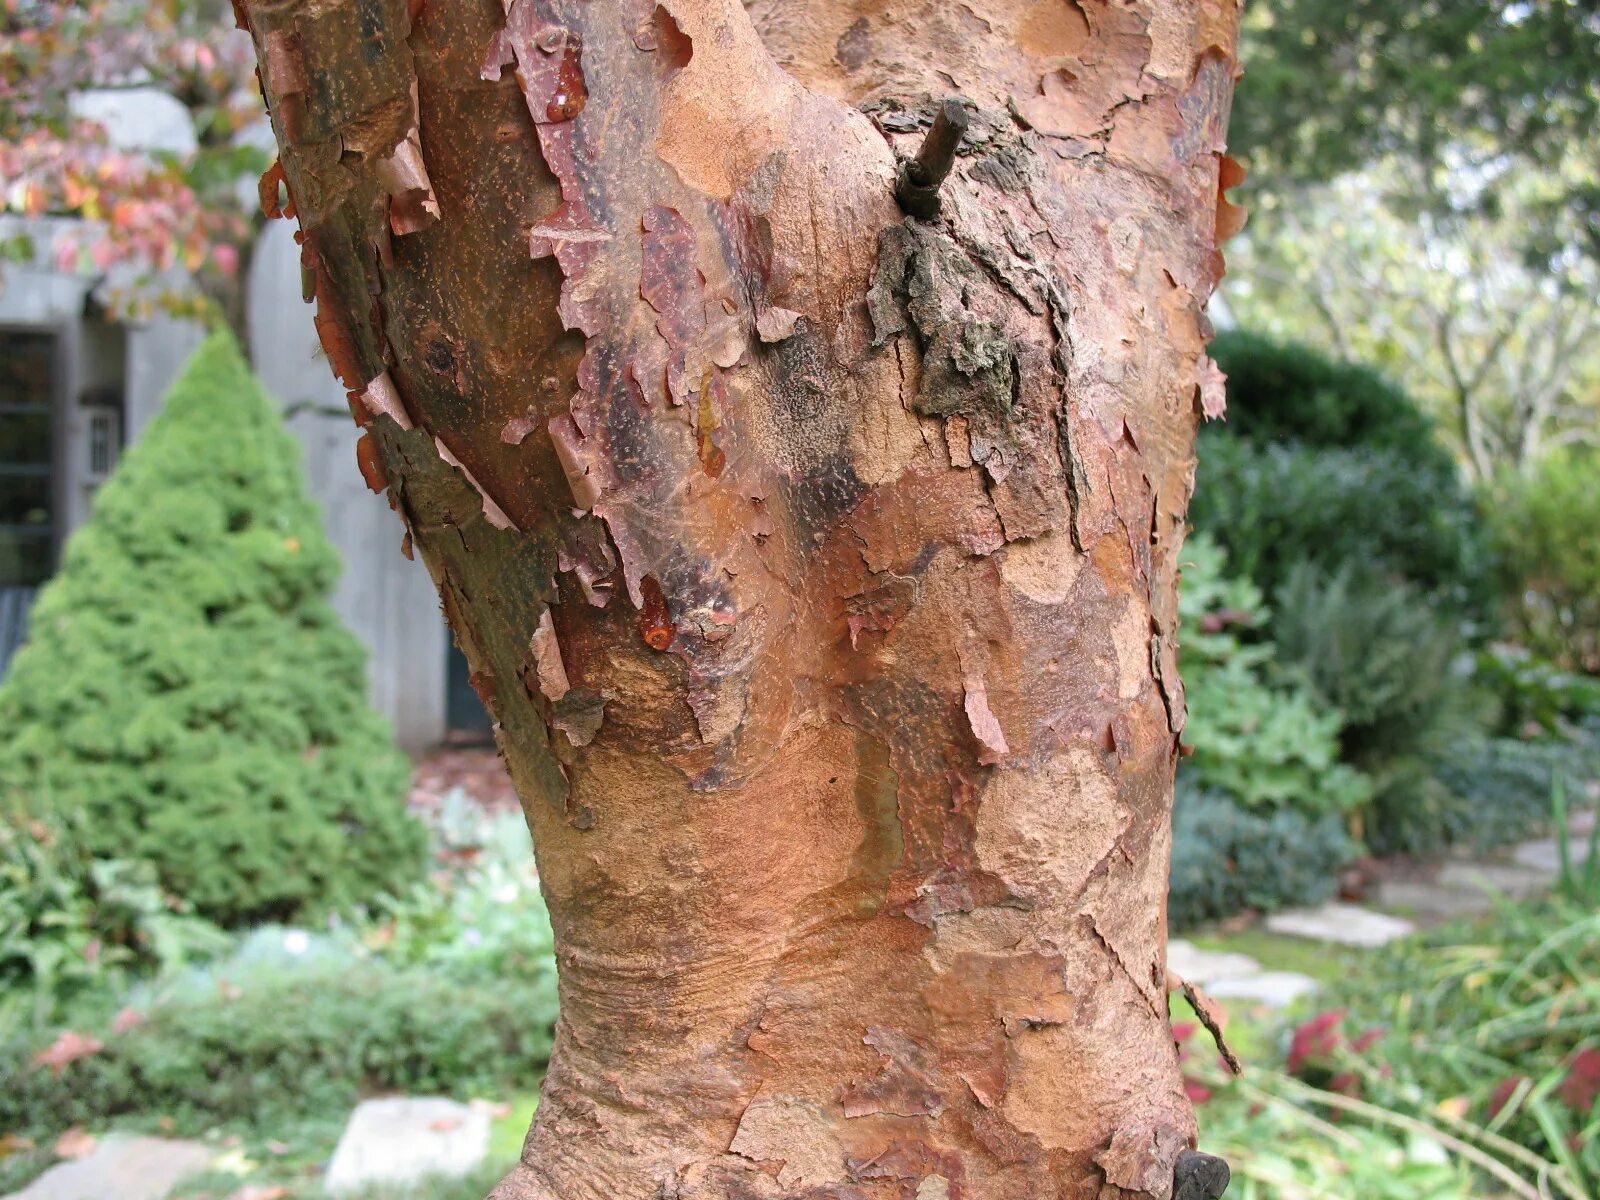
[
  {"x": 121, "y": 1168},
  {"x": 1544, "y": 855},
  {"x": 1272, "y": 989},
  {"x": 1430, "y": 901},
  {"x": 405, "y": 1140},
  {"x": 1512, "y": 880},
  {"x": 1208, "y": 967},
  {"x": 1342, "y": 924}
]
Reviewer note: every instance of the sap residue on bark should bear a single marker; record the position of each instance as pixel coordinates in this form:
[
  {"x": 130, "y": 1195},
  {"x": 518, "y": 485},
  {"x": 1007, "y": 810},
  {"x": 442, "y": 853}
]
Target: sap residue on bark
[
  {"x": 662, "y": 35},
  {"x": 708, "y": 429},
  {"x": 549, "y": 61},
  {"x": 571, "y": 92},
  {"x": 371, "y": 464},
  {"x": 655, "y": 621},
  {"x": 548, "y": 58}
]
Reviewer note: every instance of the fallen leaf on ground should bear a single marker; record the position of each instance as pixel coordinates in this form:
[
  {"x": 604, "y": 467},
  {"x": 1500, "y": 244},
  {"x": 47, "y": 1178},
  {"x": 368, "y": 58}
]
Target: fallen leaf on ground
[{"x": 445, "y": 1124}]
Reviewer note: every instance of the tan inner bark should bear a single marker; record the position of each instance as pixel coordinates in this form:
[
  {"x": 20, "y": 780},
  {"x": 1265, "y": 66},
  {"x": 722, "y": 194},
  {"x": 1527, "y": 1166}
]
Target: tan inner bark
[{"x": 817, "y": 564}]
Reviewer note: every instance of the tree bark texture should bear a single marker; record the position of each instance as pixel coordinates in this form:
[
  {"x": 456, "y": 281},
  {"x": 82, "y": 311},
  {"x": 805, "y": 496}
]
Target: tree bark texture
[{"x": 817, "y": 562}]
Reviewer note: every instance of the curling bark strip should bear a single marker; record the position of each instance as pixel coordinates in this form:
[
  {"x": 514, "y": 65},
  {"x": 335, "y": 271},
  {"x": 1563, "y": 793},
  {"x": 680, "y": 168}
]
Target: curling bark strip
[{"x": 817, "y": 562}]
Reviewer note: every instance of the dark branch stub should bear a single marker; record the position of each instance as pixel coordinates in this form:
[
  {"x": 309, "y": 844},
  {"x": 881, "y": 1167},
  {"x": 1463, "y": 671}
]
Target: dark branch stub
[
  {"x": 1198, "y": 1176},
  {"x": 921, "y": 177}
]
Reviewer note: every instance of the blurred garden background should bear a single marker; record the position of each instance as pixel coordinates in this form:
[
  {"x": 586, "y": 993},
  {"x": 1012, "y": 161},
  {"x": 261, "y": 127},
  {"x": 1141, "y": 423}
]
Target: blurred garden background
[{"x": 253, "y": 871}]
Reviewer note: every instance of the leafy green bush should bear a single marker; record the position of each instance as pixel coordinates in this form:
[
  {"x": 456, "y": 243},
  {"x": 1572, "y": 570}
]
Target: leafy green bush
[
  {"x": 1286, "y": 392},
  {"x": 1534, "y": 696},
  {"x": 1265, "y": 745},
  {"x": 1547, "y": 534},
  {"x": 71, "y": 924},
  {"x": 1275, "y": 506},
  {"x": 1226, "y": 859},
  {"x": 187, "y": 686},
  {"x": 260, "y": 1048},
  {"x": 1373, "y": 649}
]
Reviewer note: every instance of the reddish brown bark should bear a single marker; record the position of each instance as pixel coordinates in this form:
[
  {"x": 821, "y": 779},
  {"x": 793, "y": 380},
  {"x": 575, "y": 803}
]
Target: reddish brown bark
[{"x": 817, "y": 563}]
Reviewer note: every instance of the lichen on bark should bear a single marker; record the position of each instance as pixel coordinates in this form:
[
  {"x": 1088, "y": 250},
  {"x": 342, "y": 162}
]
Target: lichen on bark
[{"x": 816, "y": 562}]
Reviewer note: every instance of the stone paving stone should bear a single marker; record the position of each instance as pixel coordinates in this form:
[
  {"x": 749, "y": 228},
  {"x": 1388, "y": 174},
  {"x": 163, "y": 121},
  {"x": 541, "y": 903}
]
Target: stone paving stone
[
  {"x": 405, "y": 1140},
  {"x": 1544, "y": 855},
  {"x": 1207, "y": 967},
  {"x": 1272, "y": 989},
  {"x": 121, "y": 1168},
  {"x": 1517, "y": 882},
  {"x": 1431, "y": 902},
  {"x": 1342, "y": 924}
]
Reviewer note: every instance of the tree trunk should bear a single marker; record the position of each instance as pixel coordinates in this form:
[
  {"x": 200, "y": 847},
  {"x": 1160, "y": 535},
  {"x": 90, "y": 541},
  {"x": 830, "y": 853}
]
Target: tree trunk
[{"x": 817, "y": 562}]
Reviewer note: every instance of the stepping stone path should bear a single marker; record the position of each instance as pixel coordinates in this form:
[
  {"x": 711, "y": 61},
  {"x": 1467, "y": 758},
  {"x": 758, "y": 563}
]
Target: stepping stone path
[
  {"x": 1229, "y": 976},
  {"x": 406, "y": 1140},
  {"x": 1457, "y": 888},
  {"x": 1341, "y": 924},
  {"x": 121, "y": 1168},
  {"x": 1272, "y": 989},
  {"x": 1545, "y": 854}
]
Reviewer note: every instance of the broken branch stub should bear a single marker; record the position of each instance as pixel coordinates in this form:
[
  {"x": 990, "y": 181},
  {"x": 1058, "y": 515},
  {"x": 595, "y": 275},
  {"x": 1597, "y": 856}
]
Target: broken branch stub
[{"x": 921, "y": 177}]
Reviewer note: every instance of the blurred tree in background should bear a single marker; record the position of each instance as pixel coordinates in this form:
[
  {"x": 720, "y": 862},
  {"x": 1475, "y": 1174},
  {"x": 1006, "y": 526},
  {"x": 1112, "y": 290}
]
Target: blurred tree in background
[
  {"x": 1437, "y": 88},
  {"x": 1427, "y": 198},
  {"x": 150, "y": 211}
]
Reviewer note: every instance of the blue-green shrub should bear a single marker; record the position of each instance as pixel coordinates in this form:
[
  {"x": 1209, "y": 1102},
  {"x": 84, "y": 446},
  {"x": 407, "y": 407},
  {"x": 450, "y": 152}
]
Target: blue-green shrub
[{"x": 1226, "y": 858}]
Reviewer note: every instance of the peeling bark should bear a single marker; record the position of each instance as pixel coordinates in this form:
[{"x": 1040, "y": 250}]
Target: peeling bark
[{"x": 817, "y": 562}]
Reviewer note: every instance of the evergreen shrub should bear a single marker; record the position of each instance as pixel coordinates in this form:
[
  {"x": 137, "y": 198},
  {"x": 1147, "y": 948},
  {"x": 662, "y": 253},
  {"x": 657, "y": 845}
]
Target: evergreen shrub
[{"x": 187, "y": 689}]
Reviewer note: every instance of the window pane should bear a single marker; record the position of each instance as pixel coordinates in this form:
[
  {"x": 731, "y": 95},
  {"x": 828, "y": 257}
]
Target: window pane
[
  {"x": 26, "y": 360},
  {"x": 25, "y": 500},
  {"x": 25, "y": 438}
]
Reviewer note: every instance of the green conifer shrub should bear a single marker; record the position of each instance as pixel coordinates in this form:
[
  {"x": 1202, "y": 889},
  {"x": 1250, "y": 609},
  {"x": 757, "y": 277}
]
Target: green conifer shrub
[{"x": 187, "y": 688}]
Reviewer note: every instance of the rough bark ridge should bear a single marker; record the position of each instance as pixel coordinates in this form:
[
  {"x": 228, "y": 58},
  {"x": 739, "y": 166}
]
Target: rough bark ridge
[{"x": 816, "y": 562}]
